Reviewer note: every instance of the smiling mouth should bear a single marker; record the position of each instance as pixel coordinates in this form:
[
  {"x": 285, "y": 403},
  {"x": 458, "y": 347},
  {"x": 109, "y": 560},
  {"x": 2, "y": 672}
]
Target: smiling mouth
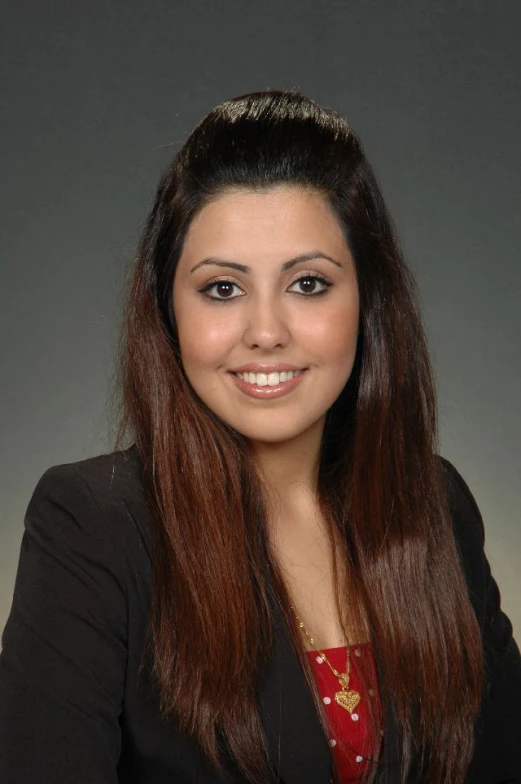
[{"x": 268, "y": 379}]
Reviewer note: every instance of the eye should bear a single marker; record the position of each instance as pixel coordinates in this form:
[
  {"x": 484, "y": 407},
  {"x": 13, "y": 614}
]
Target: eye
[
  {"x": 223, "y": 288},
  {"x": 308, "y": 284}
]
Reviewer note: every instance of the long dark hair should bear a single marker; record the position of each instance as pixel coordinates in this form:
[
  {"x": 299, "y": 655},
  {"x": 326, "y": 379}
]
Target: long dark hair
[{"x": 381, "y": 485}]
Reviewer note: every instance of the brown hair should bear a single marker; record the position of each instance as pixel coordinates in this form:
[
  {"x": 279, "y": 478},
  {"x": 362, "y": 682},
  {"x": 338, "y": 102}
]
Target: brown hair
[{"x": 380, "y": 485}]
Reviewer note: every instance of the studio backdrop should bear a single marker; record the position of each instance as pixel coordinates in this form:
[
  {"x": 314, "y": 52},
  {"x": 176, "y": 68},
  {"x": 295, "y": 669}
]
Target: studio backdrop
[{"x": 96, "y": 99}]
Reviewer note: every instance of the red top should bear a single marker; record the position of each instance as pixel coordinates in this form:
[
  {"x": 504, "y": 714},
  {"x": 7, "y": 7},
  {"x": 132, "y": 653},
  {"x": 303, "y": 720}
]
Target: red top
[{"x": 350, "y": 734}]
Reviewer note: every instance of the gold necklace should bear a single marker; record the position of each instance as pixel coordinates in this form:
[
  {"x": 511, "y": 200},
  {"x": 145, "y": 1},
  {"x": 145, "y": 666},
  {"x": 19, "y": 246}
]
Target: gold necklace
[{"x": 346, "y": 697}]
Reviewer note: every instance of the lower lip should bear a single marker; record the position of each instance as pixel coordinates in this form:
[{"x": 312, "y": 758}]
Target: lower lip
[{"x": 267, "y": 392}]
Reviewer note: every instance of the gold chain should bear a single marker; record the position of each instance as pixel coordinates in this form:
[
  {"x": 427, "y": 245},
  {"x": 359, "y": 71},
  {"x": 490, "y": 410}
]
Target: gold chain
[
  {"x": 347, "y": 698},
  {"x": 312, "y": 641}
]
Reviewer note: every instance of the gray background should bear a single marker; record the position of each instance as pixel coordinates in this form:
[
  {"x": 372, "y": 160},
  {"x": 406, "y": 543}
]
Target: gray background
[{"x": 97, "y": 97}]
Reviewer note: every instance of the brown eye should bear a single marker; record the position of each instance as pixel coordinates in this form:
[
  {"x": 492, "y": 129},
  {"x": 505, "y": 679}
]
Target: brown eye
[
  {"x": 308, "y": 285},
  {"x": 223, "y": 290},
  {"x": 311, "y": 285}
]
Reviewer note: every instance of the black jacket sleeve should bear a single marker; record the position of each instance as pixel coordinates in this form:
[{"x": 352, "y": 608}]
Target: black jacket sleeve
[
  {"x": 497, "y": 756},
  {"x": 62, "y": 667}
]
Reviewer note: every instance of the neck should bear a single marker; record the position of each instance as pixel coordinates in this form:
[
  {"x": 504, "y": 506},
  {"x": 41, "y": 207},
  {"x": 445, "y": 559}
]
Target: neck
[{"x": 289, "y": 470}]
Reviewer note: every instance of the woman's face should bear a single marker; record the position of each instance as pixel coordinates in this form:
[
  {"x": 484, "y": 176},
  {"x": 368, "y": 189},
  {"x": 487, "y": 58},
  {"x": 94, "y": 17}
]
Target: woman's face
[{"x": 266, "y": 285}]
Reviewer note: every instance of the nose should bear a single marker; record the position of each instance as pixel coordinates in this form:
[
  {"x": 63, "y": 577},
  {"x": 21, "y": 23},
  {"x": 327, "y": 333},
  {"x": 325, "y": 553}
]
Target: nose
[{"x": 266, "y": 325}]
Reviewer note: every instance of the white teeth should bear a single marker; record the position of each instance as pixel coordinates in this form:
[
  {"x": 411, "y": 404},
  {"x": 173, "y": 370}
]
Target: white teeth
[{"x": 268, "y": 379}]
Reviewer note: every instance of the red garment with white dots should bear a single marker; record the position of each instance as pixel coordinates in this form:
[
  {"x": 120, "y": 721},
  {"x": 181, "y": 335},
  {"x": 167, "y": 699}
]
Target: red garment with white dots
[{"x": 350, "y": 735}]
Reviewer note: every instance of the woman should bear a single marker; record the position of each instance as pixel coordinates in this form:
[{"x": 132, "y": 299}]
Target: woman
[{"x": 279, "y": 579}]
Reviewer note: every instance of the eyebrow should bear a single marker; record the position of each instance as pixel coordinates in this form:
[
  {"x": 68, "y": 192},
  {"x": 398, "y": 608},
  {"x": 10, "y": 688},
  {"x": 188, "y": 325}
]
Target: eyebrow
[{"x": 314, "y": 254}]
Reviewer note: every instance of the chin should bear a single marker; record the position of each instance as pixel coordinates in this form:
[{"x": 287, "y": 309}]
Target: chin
[
  {"x": 272, "y": 433},
  {"x": 270, "y": 438}
]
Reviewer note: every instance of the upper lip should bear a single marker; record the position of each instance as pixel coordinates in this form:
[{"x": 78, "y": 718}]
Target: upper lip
[{"x": 258, "y": 367}]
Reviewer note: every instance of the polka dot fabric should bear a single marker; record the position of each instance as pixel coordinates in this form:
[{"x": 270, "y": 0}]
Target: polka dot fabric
[{"x": 350, "y": 735}]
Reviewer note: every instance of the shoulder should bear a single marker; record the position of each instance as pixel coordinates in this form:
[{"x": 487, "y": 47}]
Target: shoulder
[
  {"x": 498, "y": 729},
  {"x": 107, "y": 477},
  {"x": 466, "y": 515},
  {"x": 99, "y": 501},
  {"x": 469, "y": 534}
]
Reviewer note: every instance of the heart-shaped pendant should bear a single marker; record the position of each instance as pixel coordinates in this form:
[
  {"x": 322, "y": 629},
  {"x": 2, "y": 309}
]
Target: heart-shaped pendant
[{"x": 348, "y": 699}]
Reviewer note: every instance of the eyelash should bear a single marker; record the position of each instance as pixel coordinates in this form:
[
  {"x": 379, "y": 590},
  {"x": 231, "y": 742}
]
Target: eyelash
[{"x": 306, "y": 276}]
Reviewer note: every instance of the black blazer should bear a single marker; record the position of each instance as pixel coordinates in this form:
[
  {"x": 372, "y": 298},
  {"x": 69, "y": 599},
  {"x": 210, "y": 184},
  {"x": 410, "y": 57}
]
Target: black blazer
[{"x": 72, "y": 710}]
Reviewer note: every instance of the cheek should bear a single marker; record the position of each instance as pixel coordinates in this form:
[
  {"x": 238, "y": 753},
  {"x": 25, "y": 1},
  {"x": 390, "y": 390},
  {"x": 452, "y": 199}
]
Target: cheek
[
  {"x": 332, "y": 337},
  {"x": 205, "y": 339}
]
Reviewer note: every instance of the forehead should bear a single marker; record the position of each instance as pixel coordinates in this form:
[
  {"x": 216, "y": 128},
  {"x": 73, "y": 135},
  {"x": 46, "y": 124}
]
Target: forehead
[{"x": 279, "y": 216}]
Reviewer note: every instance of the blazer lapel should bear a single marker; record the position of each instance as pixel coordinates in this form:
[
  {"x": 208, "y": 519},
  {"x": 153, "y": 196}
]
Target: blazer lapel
[{"x": 297, "y": 748}]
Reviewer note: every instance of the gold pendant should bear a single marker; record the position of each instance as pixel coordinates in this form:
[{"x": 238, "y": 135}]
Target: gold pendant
[{"x": 348, "y": 699}]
